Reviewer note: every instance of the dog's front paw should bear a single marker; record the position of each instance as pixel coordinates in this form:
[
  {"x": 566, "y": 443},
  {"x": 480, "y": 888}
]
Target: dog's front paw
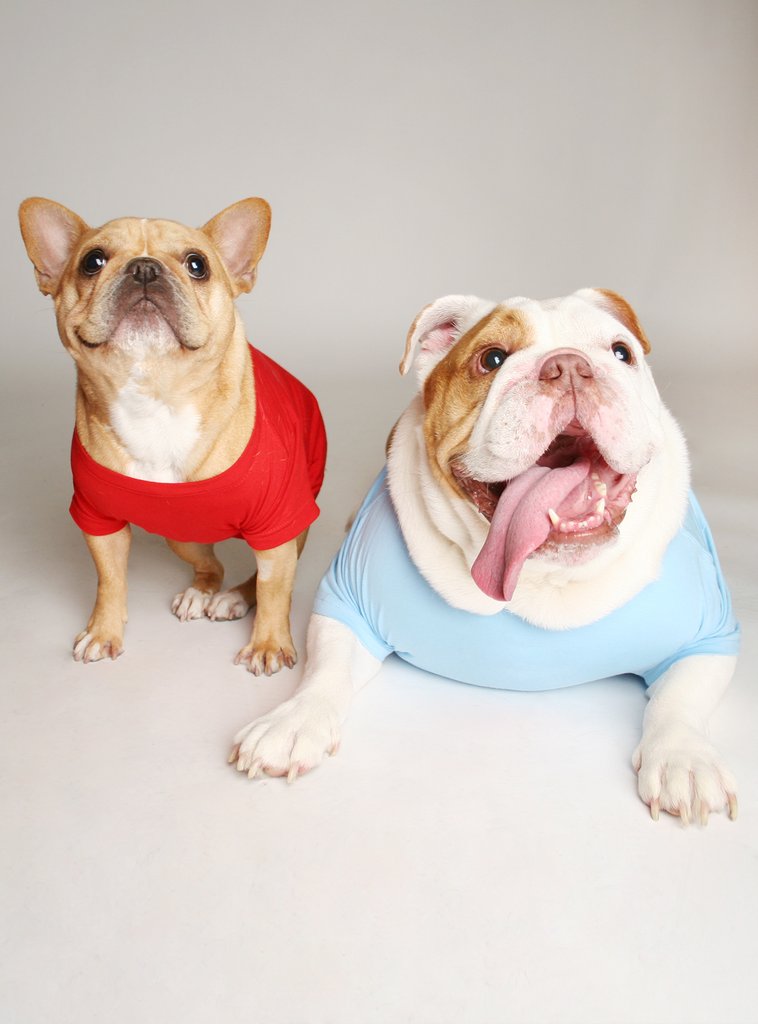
[
  {"x": 264, "y": 658},
  {"x": 289, "y": 741},
  {"x": 231, "y": 604},
  {"x": 680, "y": 772},
  {"x": 190, "y": 604},
  {"x": 98, "y": 642}
]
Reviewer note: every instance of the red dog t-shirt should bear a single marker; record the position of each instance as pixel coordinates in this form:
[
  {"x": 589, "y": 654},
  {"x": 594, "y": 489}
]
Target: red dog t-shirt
[{"x": 266, "y": 497}]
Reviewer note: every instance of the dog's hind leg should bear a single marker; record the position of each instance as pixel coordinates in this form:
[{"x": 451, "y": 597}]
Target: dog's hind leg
[
  {"x": 209, "y": 575},
  {"x": 234, "y": 603},
  {"x": 237, "y": 601}
]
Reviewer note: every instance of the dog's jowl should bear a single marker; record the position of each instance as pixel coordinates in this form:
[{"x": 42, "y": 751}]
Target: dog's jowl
[
  {"x": 533, "y": 528},
  {"x": 182, "y": 427}
]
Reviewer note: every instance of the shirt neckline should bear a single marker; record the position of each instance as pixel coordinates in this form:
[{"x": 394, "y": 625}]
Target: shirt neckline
[{"x": 132, "y": 483}]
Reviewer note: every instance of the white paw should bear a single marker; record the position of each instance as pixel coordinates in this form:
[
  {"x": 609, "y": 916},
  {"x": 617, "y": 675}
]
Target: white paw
[
  {"x": 190, "y": 604},
  {"x": 229, "y": 605},
  {"x": 680, "y": 772},
  {"x": 290, "y": 740}
]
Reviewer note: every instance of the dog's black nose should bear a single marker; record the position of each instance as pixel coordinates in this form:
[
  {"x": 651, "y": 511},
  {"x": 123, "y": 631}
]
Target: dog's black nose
[{"x": 144, "y": 270}]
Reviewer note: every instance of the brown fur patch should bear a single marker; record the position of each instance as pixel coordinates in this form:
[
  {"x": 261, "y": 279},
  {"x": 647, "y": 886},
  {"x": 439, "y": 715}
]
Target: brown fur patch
[
  {"x": 455, "y": 390},
  {"x": 618, "y": 307}
]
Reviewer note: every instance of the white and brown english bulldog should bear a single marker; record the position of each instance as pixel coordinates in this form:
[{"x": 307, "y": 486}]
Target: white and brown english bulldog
[{"x": 533, "y": 529}]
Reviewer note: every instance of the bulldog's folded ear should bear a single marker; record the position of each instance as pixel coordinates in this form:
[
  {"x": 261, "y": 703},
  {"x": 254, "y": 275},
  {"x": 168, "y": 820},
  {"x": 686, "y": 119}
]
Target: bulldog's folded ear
[
  {"x": 619, "y": 308},
  {"x": 240, "y": 233},
  {"x": 50, "y": 232},
  {"x": 437, "y": 328}
]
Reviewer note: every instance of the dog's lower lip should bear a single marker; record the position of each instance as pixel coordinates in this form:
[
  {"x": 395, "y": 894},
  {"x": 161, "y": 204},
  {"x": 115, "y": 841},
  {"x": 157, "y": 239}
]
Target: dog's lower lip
[
  {"x": 605, "y": 503},
  {"x": 482, "y": 493}
]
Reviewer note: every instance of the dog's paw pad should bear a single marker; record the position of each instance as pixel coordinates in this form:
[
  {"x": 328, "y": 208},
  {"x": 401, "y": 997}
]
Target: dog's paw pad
[
  {"x": 190, "y": 604},
  {"x": 266, "y": 659},
  {"x": 228, "y": 605},
  {"x": 289, "y": 741},
  {"x": 94, "y": 645}
]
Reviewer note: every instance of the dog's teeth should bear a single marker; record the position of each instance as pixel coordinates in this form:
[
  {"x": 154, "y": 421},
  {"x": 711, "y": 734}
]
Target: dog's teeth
[
  {"x": 555, "y": 519},
  {"x": 601, "y": 488},
  {"x": 600, "y": 507}
]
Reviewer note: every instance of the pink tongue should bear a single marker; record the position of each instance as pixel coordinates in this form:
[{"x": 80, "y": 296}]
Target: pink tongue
[{"x": 521, "y": 524}]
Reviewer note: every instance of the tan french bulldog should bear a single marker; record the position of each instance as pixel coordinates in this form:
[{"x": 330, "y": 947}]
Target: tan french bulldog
[{"x": 181, "y": 426}]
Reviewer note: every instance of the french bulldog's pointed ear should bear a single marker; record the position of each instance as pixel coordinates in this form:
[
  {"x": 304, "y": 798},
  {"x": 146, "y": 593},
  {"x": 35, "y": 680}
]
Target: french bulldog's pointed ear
[
  {"x": 50, "y": 232},
  {"x": 619, "y": 308},
  {"x": 240, "y": 233},
  {"x": 437, "y": 328}
]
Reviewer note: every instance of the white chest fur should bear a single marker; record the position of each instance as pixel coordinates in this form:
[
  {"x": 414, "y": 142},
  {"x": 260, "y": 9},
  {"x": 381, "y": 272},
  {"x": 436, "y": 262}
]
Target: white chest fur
[{"x": 158, "y": 437}]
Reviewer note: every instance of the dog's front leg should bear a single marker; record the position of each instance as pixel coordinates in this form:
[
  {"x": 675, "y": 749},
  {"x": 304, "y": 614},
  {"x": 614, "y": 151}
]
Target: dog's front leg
[
  {"x": 678, "y": 769},
  {"x": 104, "y": 635},
  {"x": 271, "y": 644},
  {"x": 294, "y": 737}
]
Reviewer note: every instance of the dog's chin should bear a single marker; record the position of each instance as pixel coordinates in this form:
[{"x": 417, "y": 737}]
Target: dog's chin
[
  {"x": 562, "y": 510},
  {"x": 145, "y": 329}
]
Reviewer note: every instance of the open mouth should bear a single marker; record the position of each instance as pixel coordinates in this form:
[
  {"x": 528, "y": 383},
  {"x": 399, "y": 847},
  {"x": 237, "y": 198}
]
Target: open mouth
[{"x": 570, "y": 496}]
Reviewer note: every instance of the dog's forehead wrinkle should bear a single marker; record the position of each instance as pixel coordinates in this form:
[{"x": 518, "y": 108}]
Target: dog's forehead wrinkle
[
  {"x": 571, "y": 322},
  {"x": 128, "y": 237},
  {"x": 121, "y": 240},
  {"x": 502, "y": 325}
]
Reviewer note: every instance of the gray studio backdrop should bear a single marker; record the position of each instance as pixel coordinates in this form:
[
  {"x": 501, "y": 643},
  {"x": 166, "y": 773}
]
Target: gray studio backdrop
[{"x": 408, "y": 149}]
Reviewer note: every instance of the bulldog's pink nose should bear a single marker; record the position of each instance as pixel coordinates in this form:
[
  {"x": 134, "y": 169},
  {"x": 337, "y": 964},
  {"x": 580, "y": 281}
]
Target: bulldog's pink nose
[{"x": 566, "y": 368}]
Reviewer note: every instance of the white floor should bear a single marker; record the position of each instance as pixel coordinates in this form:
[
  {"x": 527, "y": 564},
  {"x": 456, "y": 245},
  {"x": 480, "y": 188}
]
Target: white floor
[{"x": 469, "y": 856}]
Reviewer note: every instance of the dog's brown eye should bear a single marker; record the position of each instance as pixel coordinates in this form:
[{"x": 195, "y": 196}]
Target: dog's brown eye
[
  {"x": 622, "y": 352},
  {"x": 94, "y": 262},
  {"x": 492, "y": 359},
  {"x": 196, "y": 265}
]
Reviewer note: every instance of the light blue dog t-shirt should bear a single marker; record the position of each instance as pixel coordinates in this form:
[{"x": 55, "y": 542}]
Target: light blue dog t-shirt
[{"x": 374, "y": 588}]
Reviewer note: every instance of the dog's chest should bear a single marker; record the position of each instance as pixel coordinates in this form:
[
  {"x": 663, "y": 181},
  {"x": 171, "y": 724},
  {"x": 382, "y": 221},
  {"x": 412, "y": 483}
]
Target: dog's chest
[{"x": 158, "y": 437}]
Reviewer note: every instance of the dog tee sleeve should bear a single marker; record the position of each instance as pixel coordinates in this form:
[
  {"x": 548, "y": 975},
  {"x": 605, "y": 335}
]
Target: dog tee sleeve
[
  {"x": 286, "y": 460},
  {"x": 91, "y": 503},
  {"x": 345, "y": 592},
  {"x": 717, "y": 630},
  {"x": 284, "y": 504}
]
